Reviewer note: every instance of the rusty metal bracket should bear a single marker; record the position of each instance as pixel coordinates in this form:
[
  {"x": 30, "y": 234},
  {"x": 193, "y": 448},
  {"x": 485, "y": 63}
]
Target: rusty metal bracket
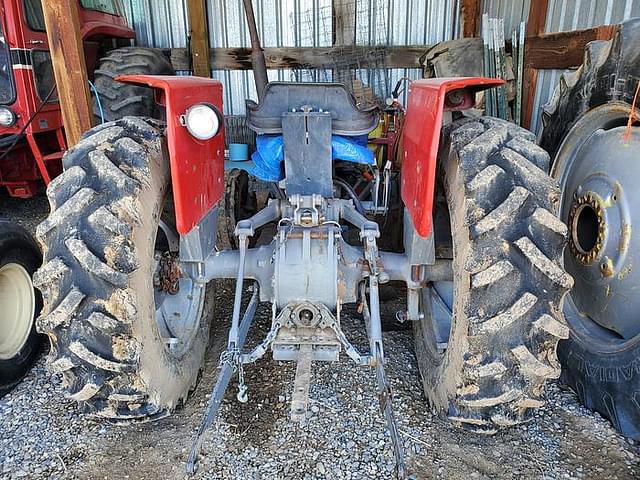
[{"x": 300, "y": 398}]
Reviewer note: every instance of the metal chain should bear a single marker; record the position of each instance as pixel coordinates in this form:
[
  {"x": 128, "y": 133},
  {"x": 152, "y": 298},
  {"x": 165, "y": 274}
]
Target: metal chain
[
  {"x": 262, "y": 348},
  {"x": 351, "y": 351}
]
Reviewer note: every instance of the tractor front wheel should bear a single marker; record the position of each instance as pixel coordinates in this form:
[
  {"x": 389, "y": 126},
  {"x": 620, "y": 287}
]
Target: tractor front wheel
[
  {"x": 487, "y": 341},
  {"x": 128, "y": 332},
  {"x": 19, "y": 341}
]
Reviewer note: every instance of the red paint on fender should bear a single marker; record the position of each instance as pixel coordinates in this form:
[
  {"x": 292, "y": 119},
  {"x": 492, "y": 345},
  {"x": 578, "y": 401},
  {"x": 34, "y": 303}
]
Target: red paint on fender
[
  {"x": 197, "y": 167},
  {"x": 421, "y": 140}
]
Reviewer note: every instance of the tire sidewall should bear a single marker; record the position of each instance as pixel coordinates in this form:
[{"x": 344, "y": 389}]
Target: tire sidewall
[
  {"x": 445, "y": 371},
  {"x": 605, "y": 381},
  {"x": 600, "y": 80}
]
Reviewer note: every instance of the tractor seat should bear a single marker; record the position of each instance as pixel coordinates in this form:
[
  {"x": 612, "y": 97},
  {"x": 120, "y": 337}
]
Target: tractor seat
[{"x": 282, "y": 97}]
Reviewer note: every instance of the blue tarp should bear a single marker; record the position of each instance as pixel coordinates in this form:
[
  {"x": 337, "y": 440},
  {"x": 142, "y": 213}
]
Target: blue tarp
[{"x": 268, "y": 159}]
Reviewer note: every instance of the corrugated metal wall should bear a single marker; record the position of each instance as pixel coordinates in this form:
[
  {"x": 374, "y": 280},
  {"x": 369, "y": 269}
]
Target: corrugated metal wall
[
  {"x": 297, "y": 23},
  {"x": 513, "y": 12},
  {"x": 284, "y": 23},
  {"x": 158, "y": 23},
  {"x": 563, "y": 15}
]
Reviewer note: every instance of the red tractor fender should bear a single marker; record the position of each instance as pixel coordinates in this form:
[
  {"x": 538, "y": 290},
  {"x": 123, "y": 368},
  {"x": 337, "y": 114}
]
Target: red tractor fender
[
  {"x": 428, "y": 99},
  {"x": 197, "y": 166}
]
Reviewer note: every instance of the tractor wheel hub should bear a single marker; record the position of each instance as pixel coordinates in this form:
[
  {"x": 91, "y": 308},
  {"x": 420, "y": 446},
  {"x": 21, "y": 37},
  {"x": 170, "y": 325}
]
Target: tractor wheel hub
[
  {"x": 167, "y": 278},
  {"x": 18, "y": 304},
  {"x": 598, "y": 172},
  {"x": 586, "y": 224}
]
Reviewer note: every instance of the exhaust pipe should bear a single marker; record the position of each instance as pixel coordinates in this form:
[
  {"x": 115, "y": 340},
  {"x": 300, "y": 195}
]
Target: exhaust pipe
[{"x": 257, "y": 54}]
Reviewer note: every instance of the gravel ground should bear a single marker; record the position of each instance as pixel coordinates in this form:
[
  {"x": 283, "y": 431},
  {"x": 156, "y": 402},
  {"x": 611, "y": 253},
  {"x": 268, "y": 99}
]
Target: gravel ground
[{"x": 43, "y": 435}]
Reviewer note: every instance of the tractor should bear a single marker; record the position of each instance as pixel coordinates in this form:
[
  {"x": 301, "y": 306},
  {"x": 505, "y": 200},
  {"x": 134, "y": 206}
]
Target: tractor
[
  {"x": 131, "y": 248},
  {"x": 32, "y": 141}
]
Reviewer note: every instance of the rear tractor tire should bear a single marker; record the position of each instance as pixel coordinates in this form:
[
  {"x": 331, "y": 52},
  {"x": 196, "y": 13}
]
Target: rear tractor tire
[
  {"x": 128, "y": 333},
  {"x": 119, "y": 99},
  {"x": 238, "y": 203},
  {"x": 19, "y": 342},
  {"x": 487, "y": 341}
]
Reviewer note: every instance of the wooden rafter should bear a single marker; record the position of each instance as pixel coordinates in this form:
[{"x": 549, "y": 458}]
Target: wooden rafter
[
  {"x": 308, "y": 57},
  {"x": 564, "y": 49}
]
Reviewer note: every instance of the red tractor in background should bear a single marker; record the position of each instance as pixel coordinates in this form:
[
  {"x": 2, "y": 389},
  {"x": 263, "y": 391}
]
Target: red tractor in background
[{"x": 32, "y": 140}]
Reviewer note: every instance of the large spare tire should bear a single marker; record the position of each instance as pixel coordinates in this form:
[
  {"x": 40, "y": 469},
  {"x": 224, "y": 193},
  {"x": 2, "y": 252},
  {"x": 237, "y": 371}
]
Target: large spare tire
[
  {"x": 591, "y": 129},
  {"x": 117, "y": 99}
]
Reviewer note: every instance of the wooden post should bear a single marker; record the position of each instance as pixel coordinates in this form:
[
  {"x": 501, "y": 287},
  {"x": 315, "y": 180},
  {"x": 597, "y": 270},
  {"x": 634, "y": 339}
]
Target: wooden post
[
  {"x": 471, "y": 14},
  {"x": 344, "y": 22},
  {"x": 69, "y": 67},
  {"x": 535, "y": 26},
  {"x": 343, "y": 34},
  {"x": 197, "y": 11}
]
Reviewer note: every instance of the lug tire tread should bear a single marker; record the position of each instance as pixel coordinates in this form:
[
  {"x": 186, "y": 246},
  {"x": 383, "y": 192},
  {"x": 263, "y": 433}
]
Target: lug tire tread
[
  {"x": 120, "y": 99},
  {"x": 89, "y": 255},
  {"x": 498, "y": 197}
]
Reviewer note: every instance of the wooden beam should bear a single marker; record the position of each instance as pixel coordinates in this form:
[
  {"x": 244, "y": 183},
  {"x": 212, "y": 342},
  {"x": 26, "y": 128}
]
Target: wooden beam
[
  {"x": 199, "y": 34},
  {"x": 471, "y": 14},
  {"x": 69, "y": 67},
  {"x": 565, "y": 49},
  {"x": 555, "y": 50},
  {"x": 310, "y": 57},
  {"x": 535, "y": 26}
]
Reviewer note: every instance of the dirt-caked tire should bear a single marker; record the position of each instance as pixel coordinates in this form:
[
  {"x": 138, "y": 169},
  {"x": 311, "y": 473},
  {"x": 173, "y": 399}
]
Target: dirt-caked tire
[
  {"x": 591, "y": 130},
  {"x": 20, "y": 304},
  {"x": 119, "y": 99},
  {"x": 238, "y": 203},
  {"x": 503, "y": 310},
  {"x": 127, "y": 347}
]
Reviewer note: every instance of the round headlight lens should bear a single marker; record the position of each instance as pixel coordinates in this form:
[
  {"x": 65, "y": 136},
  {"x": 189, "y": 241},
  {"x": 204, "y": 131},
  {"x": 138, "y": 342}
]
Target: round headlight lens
[
  {"x": 202, "y": 121},
  {"x": 7, "y": 117}
]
